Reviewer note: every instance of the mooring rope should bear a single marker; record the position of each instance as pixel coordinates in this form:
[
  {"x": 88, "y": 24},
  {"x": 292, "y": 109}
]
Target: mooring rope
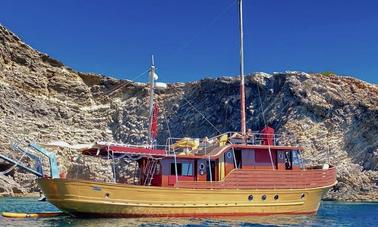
[{"x": 204, "y": 117}]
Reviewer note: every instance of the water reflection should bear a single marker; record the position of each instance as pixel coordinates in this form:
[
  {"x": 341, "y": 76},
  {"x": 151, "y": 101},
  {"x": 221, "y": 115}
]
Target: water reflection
[
  {"x": 330, "y": 214},
  {"x": 240, "y": 221}
]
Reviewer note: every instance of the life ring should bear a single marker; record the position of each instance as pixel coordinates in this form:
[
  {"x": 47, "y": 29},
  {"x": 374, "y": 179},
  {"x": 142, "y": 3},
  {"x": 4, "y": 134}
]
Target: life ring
[{"x": 202, "y": 169}]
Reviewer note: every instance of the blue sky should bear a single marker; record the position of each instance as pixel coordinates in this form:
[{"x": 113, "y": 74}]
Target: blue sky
[{"x": 199, "y": 38}]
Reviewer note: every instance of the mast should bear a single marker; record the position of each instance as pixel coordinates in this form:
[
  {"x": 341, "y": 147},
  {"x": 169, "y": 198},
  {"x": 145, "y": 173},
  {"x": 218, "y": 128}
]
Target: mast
[
  {"x": 242, "y": 88},
  {"x": 152, "y": 78}
]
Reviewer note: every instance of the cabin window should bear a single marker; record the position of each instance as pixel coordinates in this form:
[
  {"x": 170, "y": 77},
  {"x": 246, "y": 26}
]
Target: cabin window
[
  {"x": 179, "y": 169},
  {"x": 187, "y": 169},
  {"x": 238, "y": 159},
  {"x": 296, "y": 158},
  {"x": 183, "y": 169}
]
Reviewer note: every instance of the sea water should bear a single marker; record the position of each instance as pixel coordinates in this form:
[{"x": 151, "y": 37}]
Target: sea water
[{"x": 329, "y": 214}]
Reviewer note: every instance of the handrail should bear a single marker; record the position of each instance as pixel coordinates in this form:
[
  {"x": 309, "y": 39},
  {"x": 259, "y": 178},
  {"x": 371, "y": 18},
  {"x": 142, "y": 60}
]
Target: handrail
[
  {"x": 289, "y": 179},
  {"x": 54, "y": 170}
]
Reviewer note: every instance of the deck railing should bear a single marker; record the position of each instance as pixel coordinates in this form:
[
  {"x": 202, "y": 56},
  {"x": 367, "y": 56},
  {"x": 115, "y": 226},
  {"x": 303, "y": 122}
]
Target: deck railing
[
  {"x": 204, "y": 145},
  {"x": 268, "y": 179}
]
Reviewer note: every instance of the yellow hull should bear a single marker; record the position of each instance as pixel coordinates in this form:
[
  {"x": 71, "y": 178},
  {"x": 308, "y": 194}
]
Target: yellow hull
[{"x": 120, "y": 200}]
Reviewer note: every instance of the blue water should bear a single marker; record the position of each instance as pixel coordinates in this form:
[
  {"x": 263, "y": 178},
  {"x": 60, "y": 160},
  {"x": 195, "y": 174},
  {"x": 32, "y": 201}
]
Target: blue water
[{"x": 330, "y": 214}]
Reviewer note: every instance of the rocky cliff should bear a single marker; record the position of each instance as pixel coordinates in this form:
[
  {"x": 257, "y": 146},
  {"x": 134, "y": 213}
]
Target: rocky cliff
[{"x": 335, "y": 118}]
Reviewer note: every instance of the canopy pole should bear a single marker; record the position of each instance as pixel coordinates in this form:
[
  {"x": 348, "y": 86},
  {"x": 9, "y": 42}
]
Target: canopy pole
[
  {"x": 233, "y": 154},
  {"x": 114, "y": 170},
  {"x": 176, "y": 167},
  {"x": 211, "y": 175},
  {"x": 271, "y": 159}
]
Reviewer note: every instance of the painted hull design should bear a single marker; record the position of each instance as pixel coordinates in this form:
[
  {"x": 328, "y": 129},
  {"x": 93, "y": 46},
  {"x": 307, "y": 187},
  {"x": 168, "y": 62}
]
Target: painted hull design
[{"x": 97, "y": 199}]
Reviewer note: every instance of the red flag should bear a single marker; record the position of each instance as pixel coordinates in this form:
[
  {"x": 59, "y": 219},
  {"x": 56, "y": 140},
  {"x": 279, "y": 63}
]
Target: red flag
[{"x": 154, "y": 125}]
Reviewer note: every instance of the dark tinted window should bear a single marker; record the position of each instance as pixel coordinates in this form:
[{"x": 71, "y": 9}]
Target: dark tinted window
[{"x": 179, "y": 169}]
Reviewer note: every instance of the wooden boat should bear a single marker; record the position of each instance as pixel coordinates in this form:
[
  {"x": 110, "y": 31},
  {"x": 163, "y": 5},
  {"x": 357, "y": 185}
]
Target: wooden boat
[
  {"x": 254, "y": 187},
  {"x": 232, "y": 174}
]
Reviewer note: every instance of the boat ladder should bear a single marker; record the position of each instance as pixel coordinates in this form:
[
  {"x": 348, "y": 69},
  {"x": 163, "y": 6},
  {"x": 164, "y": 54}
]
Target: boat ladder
[{"x": 151, "y": 168}]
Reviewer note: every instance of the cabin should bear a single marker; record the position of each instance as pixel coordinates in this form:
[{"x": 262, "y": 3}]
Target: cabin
[
  {"x": 211, "y": 161},
  {"x": 228, "y": 160}
]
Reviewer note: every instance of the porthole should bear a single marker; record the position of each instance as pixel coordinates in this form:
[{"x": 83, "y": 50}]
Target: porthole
[
  {"x": 229, "y": 155},
  {"x": 250, "y": 197},
  {"x": 276, "y": 197},
  {"x": 302, "y": 196},
  {"x": 263, "y": 197},
  {"x": 107, "y": 195}
]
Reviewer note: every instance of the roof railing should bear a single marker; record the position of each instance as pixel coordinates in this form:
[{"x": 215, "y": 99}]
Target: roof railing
[{"x": 187, "y": 144}]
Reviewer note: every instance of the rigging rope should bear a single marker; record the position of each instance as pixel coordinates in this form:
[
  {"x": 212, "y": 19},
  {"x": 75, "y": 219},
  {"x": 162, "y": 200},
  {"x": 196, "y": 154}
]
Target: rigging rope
[
  {"x": 124, "y": 83},
  {"x": 264, "y": 120},
  {"x": 261, "y": 105},
  {"x": 166, "y": 121},
  {"x": 130, "y": 158},
  {"x": 204, "y": 117},
  {"x": 178, "y": 50}
]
